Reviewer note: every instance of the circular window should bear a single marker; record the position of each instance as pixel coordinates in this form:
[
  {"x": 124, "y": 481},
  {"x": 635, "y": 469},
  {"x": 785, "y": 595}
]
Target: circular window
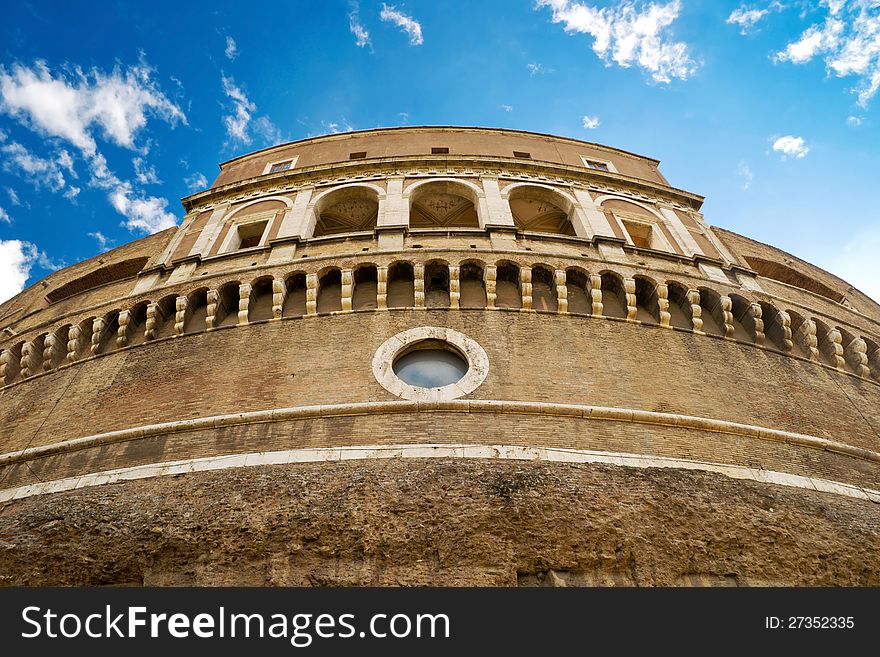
[{"x": 430, "y": 363}]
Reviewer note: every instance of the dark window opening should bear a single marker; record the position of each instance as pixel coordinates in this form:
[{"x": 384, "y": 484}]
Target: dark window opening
[
  {"x": 359, "y": 155},
  {"x": 522, "y": 154},
  {"x": 439, "y": 151},
  {"x": 280, "y": 166},
  {"x": 599, "y": 166}
]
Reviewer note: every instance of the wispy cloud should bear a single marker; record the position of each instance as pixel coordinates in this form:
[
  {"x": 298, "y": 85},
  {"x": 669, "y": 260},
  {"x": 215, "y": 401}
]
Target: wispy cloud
[
  {"x": 103, "y": 242},
  {"x": 849, "y": 42},
  {"x": 747, "y": 17},
  {"x": 231, "y": 50},
  {"x": 631, "y": 33},
  {"x": 791, "y": 146},
  {"x": 41, "y": 172},
  {"x": 591, "y": 122},
  {"x": 538, "y": 69},
  {"x": 408, "y": 24},
  {"x": 4, "y": 216},
  {"x": 17, "y": 258},
  {"x": 361, "y": 35},
  {"x": 507, "y": 108},
  {"x": 196, "y": 182},
  {"x": 854, "y": 121},
  {"x": 13, "y": 196},
  {"x": 240, "y": 124},
  {"x": 144, "y": 173},
  {"x": 744, "y": 172}
]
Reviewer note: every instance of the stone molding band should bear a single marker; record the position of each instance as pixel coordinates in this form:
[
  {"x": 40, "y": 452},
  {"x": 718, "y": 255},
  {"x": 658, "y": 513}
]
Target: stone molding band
[
  {"x": 605, "y": 413},
  {"x": 369, "y": 452}
]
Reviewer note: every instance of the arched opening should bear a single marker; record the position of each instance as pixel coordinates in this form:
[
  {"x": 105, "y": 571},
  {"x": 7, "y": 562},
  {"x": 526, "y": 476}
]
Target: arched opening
[
  {"x": 295, "y": 301},
  {"x": 473, "y": 285},
  {"x": 641, "y": 225},
  {"x": 11, "y": 359},
  {"x": 347, "y": 210},
  {"x": 437, "y": 285},
  {"x": 107, "y": 339},
  {"x": 137, "y": 324},
  {"x": 613, "y": 296},
  {"x": 260, "y": 306},
  {"x": 330, "y": 291},
  {"x": 84, "y": 342},
  {"x": 743, "y": 321},
  {"x": 774, "y": 330},
  {"x": 443, "y": 204},
  {"x": 851, "y": 359},
  {"x": 680, "y": 311},
  {"x": 401, "y": 286},
  {"x": 544, "y": 290},
  {"x": 647, "y": 301},
  {"x": 873, "y": 358},
  {"x": 712, "y": 315},
  {"x": 59, "y": 354},
  {"x": 226, "y": 313},
  {"x": 196, "y": 311},
  {"x": 577, "y": 284},
  {"x": 507, "y": 288},
  {"x": 165, "y": 315},
  {"x": 366, "y": 285},
  {"x": 540, "y": 210}
]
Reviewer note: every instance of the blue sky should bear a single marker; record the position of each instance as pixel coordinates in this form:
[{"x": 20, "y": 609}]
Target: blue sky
[{"x": 111, "y": 112}]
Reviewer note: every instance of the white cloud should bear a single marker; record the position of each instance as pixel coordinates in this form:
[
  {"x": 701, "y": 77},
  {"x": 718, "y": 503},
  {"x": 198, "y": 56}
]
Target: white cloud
[
  {"x": 406, "y": 23},
  {"x": 40, "y": 172},
  {"x": 4, "y": 216},
  {"x": 746, "y": 18},
  {"x": 591, "y": 122},
  {"x": 17, "y": 258},
  {"x": 70, "y": 105},
  {"x": 196, "y": 182},
  {"x": 145, "y": 174},
  {"x": 334, "y": 127},
  {"x": 746, "y": 174},
  {"x": 791, "y": 146},
  {"x": 101, "y": 239},
  {"x": 13, "y": 196},
  {"x": 71, "y": 193},
  {"x": 361, "y": 36},
  {"x": 241, "y": 125},
  {"x": 854, "y": 121},
  {"x": 144, "y": 214},
  {"x": 849, "y": 42},
  {"x": 631, "y": 33},
  {"x": 507, "y": 108},
  {"x": 231, "y": 50},
  {"x": 538, "y": 69}
]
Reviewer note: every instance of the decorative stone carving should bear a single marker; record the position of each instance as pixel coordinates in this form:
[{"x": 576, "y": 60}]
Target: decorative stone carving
[
  {"x": 629, "y": 286},
  {"x": 419, "y": 285},
  {"x": 874, "y": 363},
  {"x": 835, "y": 341},
  {"x": 99, "y": 327},
  {"x": 806, "y": 337},
  {"x": 490, "y": 276},
  {"x": 454, "y": 287},
  {"x": 244, "y": 303},
  {"x": 51, "y": 346},
  {"x": 6, "y": 369},
  {"x": 346, "y": 289},
  {"x": 757, "y": 317},
  {"x": 663, "y": 305},
  {"x": 180, "y": 307},
  {"x": 596, "y": 294},
  {"x": 122, "y": 331},
  {"x": 727, "y": 316},
  {"x": 311, "y": 294},
  {"x": 696, "y": 310},
  {"x": 151, "y": 325},
  {"x": 561, "y": 291},
  {"x": 279, "y": 294},
  {"x": 31, "y": 359},
  {"x": 856, "y": 354},
  {"x": 382, "y": 288},
  {"x": 525, "y": 286},
  {"x": 74, "y": 343},
  {"x": 213, "y": 300}
]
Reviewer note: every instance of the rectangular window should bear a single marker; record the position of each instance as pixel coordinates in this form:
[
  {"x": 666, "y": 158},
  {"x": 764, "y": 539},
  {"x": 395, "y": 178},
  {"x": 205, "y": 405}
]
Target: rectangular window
[
  {"x": 280, "y": 166},
  {"x": 359, "y": 155},
  {"x": 522, "y": 154},
  {"x": 439, "y": 151},
  {"x": 251, "y": 234},
  {"x": 599, "y": 166}
]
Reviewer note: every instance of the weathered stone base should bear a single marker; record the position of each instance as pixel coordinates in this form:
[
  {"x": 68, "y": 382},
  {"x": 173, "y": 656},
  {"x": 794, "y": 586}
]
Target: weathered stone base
[{"x": 441, "y": 522}]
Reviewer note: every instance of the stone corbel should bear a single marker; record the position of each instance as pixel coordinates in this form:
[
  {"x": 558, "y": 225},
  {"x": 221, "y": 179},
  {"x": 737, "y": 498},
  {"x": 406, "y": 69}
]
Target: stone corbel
[
  {"x": 213, "y": 301},
  {"x": 561, "y": 291},
  {"x": 696, "y": 310},
  {"x": 856, "y": 354},
  {"x": 454, "y": 287},
  {"x": 629, "y": 286},
  {"x": 122, "y": 331},
  {"x": 180, "y": 315},
  {"x": 244, "y": 303},
  {"x": 757, "y": 314},
  {"x": 596, "y": 294},
  {"x": 382, "y": 288},
  {"x": 279, "y": 294},
  {"x": 525, "y": 285},
  {"x": 311, "y": 294},
  {"x": 727, "y": 316},
  {"x": 419, "y": 285},
  {"x": 663, "y": 305},
  {"x": 491, "y": 276}
]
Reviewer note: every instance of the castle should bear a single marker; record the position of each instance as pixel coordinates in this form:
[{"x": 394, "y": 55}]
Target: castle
[{"x": 440, "y": 356}]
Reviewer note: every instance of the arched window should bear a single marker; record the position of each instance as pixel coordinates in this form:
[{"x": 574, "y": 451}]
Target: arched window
[
  {"x": 540, "y": 210},
  {"x": 137, "y": 324},
  {"x": 401, "y": 286},
  {"x": 347, "y": 210},
  {"x": 196, "y": 311},
  {"x": 260, "y": 304},
  {"x": 165, "y": 316},
  {"x": 577, "y": 284},
  {"x": 680, "y": 312},
  {"x": 437, "y": 285},
  {"x": 544, "y": 289},
  {"x": 330, "y": 291},
  {"x": 443, "y": 204},
  {"x": 712, "y": 315},
  {"x": 473, "y": 285},
  {"x": 365, "y": 288},
  {"x": 295, "y": 301},
  {"x": 507, "y": 288},
  {"x": 647, "y": 304},
  {"x": 226, "y": 313},
  {"x": 743, "y": 320},
  {"x": 613, "y": 296}
]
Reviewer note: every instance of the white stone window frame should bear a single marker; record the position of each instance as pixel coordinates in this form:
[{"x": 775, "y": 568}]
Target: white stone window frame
[
  {"x": 657, "y": 234},
  {"x": 292, "y": 161},
  {"x": 233, "y": 233},
  {"x": 388, "y": 351},
  {"x": 587, "y": 159}
]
